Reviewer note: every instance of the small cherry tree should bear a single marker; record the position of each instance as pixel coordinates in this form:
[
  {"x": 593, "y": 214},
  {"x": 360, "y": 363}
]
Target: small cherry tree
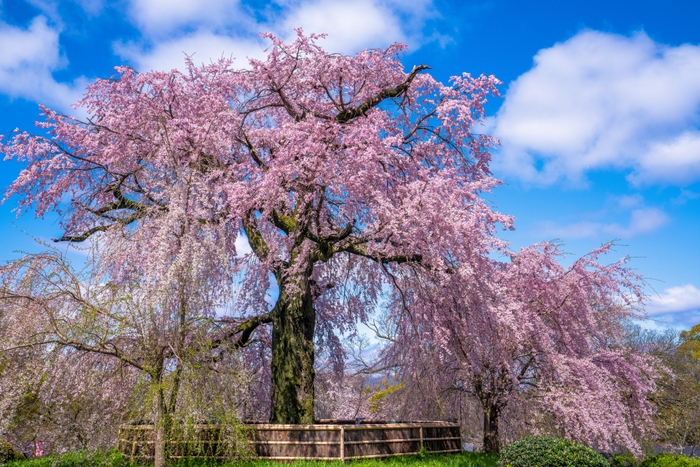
[
  {"x": 71, "y": 399},
  {"x": 534, "y": 334},
  {"x": 338, "y": 170},
  {"x": 160, "y": 334}
]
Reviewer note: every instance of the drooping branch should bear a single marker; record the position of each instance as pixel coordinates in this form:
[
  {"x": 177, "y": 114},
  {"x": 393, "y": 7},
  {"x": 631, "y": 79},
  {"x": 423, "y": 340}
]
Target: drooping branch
[
  {"x": 82, "y": 237},
  {"x": 113, "y": 351},
  {"x": 81, "y": 346},
  {"x": 121, "y": 202}
]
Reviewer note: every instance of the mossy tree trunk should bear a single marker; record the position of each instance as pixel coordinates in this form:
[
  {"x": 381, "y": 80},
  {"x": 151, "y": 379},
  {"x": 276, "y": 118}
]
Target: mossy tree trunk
[
  {"x": 292, "y": 366},
  {"x": 293, "y": 323}
]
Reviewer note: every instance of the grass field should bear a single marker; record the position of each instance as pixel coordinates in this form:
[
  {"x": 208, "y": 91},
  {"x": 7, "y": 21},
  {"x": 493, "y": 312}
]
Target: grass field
[
  {"x": 466, "y": 459},
  {"x": 114, "y": 459}
]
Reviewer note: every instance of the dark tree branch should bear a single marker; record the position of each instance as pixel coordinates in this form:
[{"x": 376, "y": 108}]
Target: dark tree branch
[
  {"x": 122, "y": 202},
  {"x": 350, "y": 114},
  {"x": 82, "y": 237},
  {"x": 246, "y": 330},
  {"x": 380, "y": 258}
]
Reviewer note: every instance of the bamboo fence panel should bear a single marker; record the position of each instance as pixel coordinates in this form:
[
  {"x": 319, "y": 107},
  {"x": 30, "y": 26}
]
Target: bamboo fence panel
[{"x": 330, "y": 441}]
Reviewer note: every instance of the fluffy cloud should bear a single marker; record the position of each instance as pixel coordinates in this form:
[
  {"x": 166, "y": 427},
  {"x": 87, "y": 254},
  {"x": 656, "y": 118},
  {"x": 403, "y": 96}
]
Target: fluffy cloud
[
  {"x": 171, "y": 29},
  {"x": 685, "y": 196},
  {"x": 161, "y": 17},
  {"x": 675, "y": 300},
  {"x": 642, "y": 221},
  {"x": 602, "y": 100},
  {"x": 675, "y": 159},
  {"x": 224, "y": 28},
  {"x": 91, "y": 7},
  {"x": 352, "y": 26},
  {"x": 202, "y": 46},
  {"x": 28, "y": 57}
]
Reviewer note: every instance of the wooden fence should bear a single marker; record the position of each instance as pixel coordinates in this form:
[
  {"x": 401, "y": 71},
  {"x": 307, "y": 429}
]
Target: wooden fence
[{"x": 332, "y": 441}]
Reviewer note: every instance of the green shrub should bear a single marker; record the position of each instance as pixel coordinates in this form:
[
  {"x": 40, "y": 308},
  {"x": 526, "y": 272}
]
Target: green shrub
[
  {"x": 624, "y": 460},
  {"x": 539, "y": 451},
  {"x": 669, "y": 460},
  {"x": 8, "y": 453}
]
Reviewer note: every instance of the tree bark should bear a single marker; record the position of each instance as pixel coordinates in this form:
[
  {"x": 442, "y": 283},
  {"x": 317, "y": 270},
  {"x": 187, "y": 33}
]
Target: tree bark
[
  {"x": 293, "y": 325},
  {"x": 491, "y": 439},
  {"x": 160, "y": 435}
]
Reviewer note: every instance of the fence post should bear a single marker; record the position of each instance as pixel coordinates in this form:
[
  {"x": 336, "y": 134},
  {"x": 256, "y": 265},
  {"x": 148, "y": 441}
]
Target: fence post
[
  {"x": 342, "y": 444},
  {"x": 421, "y": 437}
]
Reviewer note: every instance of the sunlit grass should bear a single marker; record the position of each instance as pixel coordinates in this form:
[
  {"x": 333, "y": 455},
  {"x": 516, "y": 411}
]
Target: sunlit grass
[{"x": 115, "y": 459}]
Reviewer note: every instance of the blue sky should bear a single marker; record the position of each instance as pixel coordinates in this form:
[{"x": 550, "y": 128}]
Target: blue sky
[{"x": 599, "y": 119}]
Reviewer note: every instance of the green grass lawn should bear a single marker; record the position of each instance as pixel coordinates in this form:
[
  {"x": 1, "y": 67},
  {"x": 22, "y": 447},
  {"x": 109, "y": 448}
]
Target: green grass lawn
[
  {"x": 465, "y": 459},
  {"x": 114, "y": 459}
]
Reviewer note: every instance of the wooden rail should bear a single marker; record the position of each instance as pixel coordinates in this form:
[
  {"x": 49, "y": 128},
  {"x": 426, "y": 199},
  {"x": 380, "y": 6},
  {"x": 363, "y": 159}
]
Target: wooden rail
[{"x": 321, "y": 442}]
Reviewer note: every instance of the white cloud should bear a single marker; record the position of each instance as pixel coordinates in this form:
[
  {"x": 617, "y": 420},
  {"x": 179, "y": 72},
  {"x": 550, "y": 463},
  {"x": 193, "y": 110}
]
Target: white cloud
[
  {"x": 91, "y": 7},
  {"x": 629, "y": 201},
  {"x": 675, "y": 159},
  {"x": 28, "y": 57},
  {"x": 161, "y": 17},
  {"x": 583, "y": 229},
  {"x": 350, "y": 26},
  {"x": 679, "y": 321},
  {"x": 172, "y": 27},
  {"x": 602, "y": 100},
  {"x": 685, "y": 196},
  {"x": 675, "y": 300},
  {"x": 203, "y": 46},
  {"x": 49, "y": 9},
  {"x": 642, "y": 221}
]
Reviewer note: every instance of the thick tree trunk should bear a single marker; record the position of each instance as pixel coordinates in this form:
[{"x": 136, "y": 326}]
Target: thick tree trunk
[
  {"x": 293, "y": 321},
  {"x": 491, "y": 441}
]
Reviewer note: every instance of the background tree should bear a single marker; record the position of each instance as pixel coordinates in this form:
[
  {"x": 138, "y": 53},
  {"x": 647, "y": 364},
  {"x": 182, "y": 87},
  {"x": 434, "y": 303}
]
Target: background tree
[
  {"x": 69, "y": 399},
  {"x": 534, "y": 334},
  {"x": 337, "y": 169},
  {"x": 678, "y": 395},
  {"x": 690, "y": 342},
  {"x": 158, "y": 333}
]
